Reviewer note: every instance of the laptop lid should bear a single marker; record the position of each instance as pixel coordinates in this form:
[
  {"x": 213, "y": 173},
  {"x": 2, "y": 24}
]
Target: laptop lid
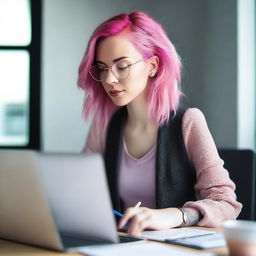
[
  {"x": 24, "y": 212},
  {"x": 42, "y": 194},
  {"x": 78, "y": 195}
]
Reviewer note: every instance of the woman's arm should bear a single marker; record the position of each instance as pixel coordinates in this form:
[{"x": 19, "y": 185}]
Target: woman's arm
[
  {"x": 95, "y": 142},
  {"x": 214, "y": 189}
]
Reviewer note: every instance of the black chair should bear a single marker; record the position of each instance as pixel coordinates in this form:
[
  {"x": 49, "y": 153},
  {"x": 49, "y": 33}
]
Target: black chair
[{"x": 242, "y": 170}]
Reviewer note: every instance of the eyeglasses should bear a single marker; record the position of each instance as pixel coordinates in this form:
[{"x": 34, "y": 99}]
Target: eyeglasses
[{"x": 120, "y": 69}]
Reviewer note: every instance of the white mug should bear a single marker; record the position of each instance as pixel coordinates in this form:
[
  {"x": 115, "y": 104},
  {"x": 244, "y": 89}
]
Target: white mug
[{"x": 240, "y": 236}]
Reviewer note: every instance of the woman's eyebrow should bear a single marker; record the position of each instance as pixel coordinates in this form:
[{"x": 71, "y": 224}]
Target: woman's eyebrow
[{"x": 115, "y": 60}]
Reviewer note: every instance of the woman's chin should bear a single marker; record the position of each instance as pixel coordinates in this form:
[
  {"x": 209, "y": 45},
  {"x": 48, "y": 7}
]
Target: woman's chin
[{"x": 119, "y": 102}]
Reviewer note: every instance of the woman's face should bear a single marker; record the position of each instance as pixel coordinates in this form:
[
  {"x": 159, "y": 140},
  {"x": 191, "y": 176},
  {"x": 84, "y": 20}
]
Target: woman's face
[{"x": 120, "y": 51}]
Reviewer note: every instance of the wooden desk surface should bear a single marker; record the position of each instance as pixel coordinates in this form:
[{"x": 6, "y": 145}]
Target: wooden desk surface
[{"x": 9, "y": 248}]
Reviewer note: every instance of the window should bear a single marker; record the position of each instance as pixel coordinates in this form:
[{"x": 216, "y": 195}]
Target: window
[{"x": 20, "y": 36}]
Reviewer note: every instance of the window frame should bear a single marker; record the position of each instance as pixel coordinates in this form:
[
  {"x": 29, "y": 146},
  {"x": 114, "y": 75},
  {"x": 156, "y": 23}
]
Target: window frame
[{"x": 34, "y": 50}]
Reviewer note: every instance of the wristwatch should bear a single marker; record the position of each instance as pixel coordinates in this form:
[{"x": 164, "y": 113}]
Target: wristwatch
[{"x": 184, "y": 217}]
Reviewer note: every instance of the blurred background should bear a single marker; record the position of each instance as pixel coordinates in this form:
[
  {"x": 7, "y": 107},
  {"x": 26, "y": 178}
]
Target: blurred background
[{"x": 42, "y": 43}]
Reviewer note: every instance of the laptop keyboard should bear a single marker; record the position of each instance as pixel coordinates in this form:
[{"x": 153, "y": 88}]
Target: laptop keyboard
[
  {"x": 69, "y": 241},
  {"x": 127, "y": 239}
]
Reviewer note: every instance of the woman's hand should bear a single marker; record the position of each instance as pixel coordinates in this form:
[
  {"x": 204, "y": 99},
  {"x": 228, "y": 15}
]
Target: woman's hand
[{"x": 145, "y": 218}]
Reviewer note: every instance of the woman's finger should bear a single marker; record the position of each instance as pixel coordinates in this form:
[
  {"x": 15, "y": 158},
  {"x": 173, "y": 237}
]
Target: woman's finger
[
  {"x": 139, "y": 223},
  {"x": 129, "y": 213}
]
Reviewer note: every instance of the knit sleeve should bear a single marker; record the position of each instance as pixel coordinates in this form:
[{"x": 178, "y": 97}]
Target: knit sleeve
[
  {"x": 96, "y": 139},
  {"x": 216, "y": 199}
]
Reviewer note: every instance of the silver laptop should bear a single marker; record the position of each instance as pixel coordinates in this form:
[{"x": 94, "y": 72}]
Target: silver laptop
[{"x": 57, "y": 201}]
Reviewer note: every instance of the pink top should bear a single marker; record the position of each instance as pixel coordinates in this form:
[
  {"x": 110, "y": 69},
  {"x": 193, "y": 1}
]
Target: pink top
[
  {"x": 137, "y": 178},
  {"x": 216, "y": 199}
]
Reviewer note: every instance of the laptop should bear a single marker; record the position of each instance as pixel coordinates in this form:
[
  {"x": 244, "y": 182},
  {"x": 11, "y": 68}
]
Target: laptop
[{"x": 56, "y": 201}]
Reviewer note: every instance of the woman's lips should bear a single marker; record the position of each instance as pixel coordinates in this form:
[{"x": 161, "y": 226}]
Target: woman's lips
[{"x": 115, "y": 93}]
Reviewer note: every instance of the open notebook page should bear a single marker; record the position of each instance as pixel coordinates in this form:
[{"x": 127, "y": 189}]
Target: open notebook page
[
  {"x": 174, "y": 233},
  {"x": 137, "y": 249}
]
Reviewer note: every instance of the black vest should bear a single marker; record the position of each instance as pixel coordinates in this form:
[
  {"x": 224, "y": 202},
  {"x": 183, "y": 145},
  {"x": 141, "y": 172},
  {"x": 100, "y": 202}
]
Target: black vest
[{"x": 175, "y": 177}]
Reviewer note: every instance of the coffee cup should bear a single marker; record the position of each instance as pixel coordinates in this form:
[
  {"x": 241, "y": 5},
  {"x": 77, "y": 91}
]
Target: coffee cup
[{"x": 240, "y": 236}]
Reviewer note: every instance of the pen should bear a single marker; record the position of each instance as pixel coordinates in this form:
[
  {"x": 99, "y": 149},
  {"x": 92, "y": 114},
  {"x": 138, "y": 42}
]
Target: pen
[
  {"x": 120, "y": 214},
  {"x": 117, "y": 213},
  {"x": 138, "y": 204}
]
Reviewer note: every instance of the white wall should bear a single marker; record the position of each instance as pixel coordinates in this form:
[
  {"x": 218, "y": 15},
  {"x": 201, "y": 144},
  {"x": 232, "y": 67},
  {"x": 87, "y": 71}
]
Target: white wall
[
  {"x": 246, "y": 74},
  {"x": 203, "y": 31},
  {"x": 64, "y": 38}
]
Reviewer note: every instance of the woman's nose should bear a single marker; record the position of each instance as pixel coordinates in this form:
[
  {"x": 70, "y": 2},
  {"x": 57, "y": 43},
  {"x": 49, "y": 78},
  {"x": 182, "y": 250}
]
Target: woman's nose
[{"x": 110, "y": 77}]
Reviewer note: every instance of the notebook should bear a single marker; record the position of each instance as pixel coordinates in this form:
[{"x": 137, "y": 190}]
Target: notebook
[
  {"x": 202, "y": 242},
  {"x": 57, "y": 201}
]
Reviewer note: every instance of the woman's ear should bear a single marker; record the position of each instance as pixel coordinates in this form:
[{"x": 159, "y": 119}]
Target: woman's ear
[{"x": 153, "y": 62}]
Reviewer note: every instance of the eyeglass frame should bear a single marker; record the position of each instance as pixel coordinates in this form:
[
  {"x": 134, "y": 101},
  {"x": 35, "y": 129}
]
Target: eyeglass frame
[{"x": 110, "y": 68}]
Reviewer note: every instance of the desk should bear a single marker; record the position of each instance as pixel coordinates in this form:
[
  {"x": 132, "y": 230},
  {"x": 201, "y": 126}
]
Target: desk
[{"x": 16, "y": 249}]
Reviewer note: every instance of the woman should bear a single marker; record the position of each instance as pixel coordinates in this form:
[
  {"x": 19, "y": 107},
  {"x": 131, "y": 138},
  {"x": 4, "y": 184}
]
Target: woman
[{"x": 155, "y": 150}]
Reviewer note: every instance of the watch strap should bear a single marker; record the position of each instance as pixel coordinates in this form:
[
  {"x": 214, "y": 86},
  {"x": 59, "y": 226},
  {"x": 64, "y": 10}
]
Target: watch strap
[{"x": 184, "y": 217}]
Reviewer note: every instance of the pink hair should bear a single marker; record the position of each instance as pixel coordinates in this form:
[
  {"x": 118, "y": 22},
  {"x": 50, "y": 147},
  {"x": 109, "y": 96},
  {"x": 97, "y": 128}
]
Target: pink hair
[{"x": 149, "y": 38}]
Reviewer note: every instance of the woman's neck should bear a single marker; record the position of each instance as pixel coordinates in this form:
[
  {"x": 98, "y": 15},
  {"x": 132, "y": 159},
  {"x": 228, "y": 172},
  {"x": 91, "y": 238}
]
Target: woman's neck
[{"x": 138, "y": 115}]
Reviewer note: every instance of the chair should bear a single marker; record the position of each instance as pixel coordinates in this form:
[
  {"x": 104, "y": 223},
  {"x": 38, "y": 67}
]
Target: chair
[{"x": 242, "y": 170}]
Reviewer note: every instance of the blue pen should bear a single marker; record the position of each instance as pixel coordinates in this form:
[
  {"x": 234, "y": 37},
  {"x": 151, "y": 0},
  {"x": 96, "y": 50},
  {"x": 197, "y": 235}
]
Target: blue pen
[
  {"x": 117, "y": 213},
  {"x": 120, "y": 214}
]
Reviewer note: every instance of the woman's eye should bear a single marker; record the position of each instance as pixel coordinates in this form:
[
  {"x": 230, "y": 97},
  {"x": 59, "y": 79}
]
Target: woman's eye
[
  {"x": 122, "y": 66},
  {"x": 101, "y": 68}
]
